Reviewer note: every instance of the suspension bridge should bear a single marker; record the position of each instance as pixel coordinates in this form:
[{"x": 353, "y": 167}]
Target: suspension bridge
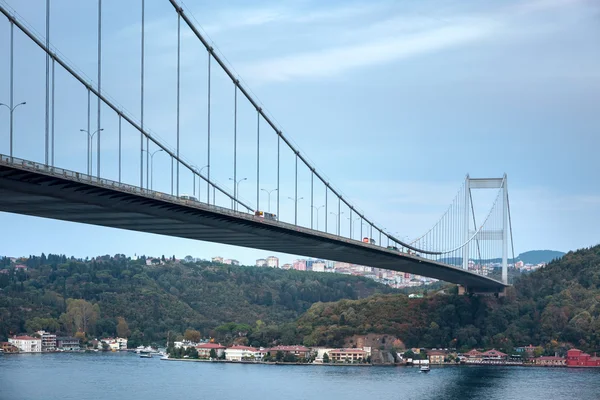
[{"x": 190, "y": 202}]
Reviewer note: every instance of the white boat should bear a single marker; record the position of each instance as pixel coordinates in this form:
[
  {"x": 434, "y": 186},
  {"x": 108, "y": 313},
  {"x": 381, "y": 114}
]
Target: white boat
[
  {"x": 424, "y": 368},
  {"x": 145, "y": 355}
]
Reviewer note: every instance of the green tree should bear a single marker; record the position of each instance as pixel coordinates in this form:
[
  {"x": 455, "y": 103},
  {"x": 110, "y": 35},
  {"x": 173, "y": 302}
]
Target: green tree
[
  {"x": 213, "y": 354},
  {"x": 326, "y": 358}
]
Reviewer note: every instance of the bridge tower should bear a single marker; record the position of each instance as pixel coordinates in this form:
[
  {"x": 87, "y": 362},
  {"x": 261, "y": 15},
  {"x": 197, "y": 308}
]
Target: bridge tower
[{"x": 496, "y": 234}]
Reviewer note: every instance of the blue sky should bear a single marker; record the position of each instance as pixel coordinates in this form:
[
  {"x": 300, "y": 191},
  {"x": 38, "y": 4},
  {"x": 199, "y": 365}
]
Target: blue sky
[{"x": 395, "y": 102}]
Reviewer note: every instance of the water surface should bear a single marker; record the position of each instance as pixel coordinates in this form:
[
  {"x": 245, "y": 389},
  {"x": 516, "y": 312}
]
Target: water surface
[{"x": 126, "y": 376}]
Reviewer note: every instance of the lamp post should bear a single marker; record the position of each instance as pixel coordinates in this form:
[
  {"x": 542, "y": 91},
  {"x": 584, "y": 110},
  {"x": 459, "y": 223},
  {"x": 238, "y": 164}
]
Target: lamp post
[
  {"x": 337, "y": 226},
  {"x": 269, "y": 193},
  {"x": 199, "y": 175},
  {"x": 295, "y": 200},
  {"x": 90, "y": 145},
  {"x": 318, "y": 208},
  {"x": 152, "y": 166},
  {"x": 352, "y": 232},
  {"x": 12, "y": 110},
  {"x": 237, "y": 187}
]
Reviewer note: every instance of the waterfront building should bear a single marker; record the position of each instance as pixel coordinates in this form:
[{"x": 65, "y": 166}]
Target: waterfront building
[
  {"x": 319, "y": 353},
  {"x": 26, "y": 344},
  {"x": 67, "y": 343},
  {"x": 577, "y": 358},
  {"x": 436, "y": 356},
  {"x": 244, "y": 353},
  {"x": 48, "y": 341},
  {"x": 205, "y": 348},
  {"x": 298, "y": 351},
  {"x": 347, "y": 355},
  {"x": 552, "y": 361}
]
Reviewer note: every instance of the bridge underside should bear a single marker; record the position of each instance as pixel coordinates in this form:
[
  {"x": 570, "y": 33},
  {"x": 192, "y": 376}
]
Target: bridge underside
[{"x": 44, "y": 194}]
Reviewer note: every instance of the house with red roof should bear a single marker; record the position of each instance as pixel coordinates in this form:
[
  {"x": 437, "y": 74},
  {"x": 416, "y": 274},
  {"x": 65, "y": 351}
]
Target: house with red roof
[
  {"x": 26, "y": 344},
  {"x": 347, "y": 355},
  {"x": 244, "y": 353},
  {"x": 473, "y": 356},
  {"x": 298, "y": 351},
  {"x": 577, "y": 358},
  {"x": 205, "y": 348},
  {"x": 494, "y": 355}
]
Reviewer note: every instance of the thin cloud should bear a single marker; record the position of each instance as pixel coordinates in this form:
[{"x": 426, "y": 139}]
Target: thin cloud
[
  {"x": 393, "y": 39},
  {"x": 329, "y": 62}
]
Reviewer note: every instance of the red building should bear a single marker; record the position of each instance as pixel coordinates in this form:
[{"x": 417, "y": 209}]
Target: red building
[{"x": 577, "y": 358}]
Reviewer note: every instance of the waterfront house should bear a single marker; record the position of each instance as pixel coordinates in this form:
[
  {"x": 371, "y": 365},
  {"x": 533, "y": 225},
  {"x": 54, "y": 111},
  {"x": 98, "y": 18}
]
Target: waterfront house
[
  {"x": 48, "y": 341},
  {"x": 436, "y": 356},
  {"x": 494, "y": 355},
  {"x": 347, "y": 355},
  {"x": 26, "y": 344},
  {"x": 577, "y": 358},
  {"x": 298, "y": 351},
  {"x": 320, "y": 352},
  {"x": 67, "y": 343},
  {"x": 205, "y": 348},
  {"x": 473, "y": 356},
  {"x": 244, "y": 353},
  {"x": 550, "y": 361}
]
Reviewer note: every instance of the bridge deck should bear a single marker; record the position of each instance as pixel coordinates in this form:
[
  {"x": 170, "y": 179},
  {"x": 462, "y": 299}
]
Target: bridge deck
[{"x": 33, "y": 189}]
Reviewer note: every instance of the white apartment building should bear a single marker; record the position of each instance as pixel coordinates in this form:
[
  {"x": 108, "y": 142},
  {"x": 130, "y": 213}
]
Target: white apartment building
[
  {"x": 239, "y": 353},
  {"x": 26, "y": 344},
  {"x": 318, "y": 266},
  {"x": 261, "y": 262},
  {"x": 272, "y": 262},
  {"x": 48, "y": 340}
]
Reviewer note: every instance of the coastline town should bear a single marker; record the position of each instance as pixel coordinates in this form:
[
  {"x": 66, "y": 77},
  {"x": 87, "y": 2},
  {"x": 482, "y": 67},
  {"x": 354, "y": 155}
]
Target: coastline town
[{"x": 208, "y": 350}]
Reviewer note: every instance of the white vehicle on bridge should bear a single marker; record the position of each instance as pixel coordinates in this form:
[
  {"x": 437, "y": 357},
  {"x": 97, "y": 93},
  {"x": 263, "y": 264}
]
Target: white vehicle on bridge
[
  {"x": 265, "y": 215},
  {"x": 188, "y": 197}
]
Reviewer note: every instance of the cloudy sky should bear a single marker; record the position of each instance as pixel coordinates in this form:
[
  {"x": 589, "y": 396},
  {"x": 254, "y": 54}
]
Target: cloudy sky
[{"x": 394, "y": 102}]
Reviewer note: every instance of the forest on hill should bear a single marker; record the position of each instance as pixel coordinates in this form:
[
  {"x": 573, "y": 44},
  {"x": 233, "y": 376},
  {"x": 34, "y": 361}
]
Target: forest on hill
[
  {"x": 148, "y": 301},
  {"x": 556, "y": 307}
]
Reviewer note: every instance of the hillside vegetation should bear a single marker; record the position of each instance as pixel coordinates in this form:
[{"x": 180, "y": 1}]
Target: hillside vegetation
[
  {"x": 156, "y": 299},
  {"x": 555, "y": 307}
]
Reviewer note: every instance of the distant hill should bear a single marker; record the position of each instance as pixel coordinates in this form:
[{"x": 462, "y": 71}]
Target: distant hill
[
  {"x": 529, "y": 257},
  {"x": 539, "y": 256}
]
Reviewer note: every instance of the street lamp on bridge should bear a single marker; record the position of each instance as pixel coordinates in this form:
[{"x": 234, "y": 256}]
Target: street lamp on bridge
[
  {"x": 12, "y": 110},
  {"x": 337, "y": 225},
  {"x": 317, "y": 208},
  {"x": 237, "y": 186},
  {"x": 352, "y": 231},
  {"x": 199, "y": 173},
  {"x": 152, "y": 166},
  {"x": 269, "y": 193},
  {"x": 90, "y": 146},
  {"x": 295, "y": 208}
]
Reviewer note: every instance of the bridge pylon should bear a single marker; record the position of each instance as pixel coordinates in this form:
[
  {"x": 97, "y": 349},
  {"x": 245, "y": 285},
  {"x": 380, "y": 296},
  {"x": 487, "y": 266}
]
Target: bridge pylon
[{"x": 499, "y": 232}]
